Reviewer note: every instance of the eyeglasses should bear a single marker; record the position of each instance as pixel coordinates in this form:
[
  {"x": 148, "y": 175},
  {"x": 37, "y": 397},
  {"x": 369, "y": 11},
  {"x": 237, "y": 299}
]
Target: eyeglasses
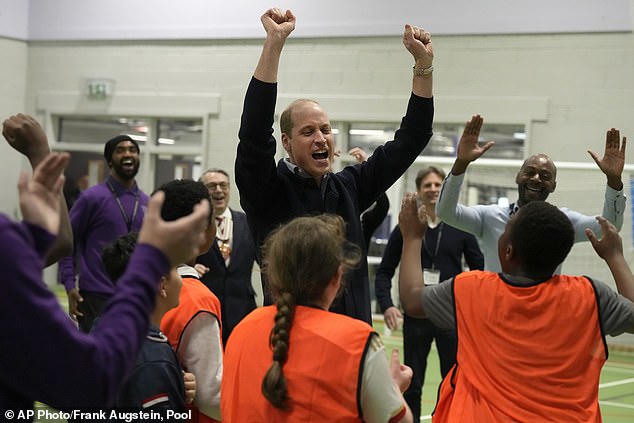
[{"x": 222, "y": 185}]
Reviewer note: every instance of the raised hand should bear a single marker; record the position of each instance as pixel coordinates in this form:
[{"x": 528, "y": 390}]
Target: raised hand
[
  {"x": 610, "y": 244},
  {"x": 278, "y": 23},
  {"x": 469, "y": 148},
  {"x": 278, "y": 26},
  {"x": 418, "y": 42},
  {"x": 610, "y": 249},
  {"x": 359, "y": 154},
  {"x": 39, "y": 195},
  {"x": 412, "y": 219},
  {"x": 25, "y": 134},
  {"x": 613, "y": 159},
  {"x": 179, "y": 239}
]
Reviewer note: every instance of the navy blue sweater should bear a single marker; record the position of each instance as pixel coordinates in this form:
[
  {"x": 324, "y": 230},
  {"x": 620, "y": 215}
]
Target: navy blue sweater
[
  {"x": 448, "y": 259},
  {"x": 271, "y": 195}
]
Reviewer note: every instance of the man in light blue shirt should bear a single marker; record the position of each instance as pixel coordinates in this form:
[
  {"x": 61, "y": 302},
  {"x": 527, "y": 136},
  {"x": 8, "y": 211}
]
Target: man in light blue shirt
[{"x": 535, "y": 180}]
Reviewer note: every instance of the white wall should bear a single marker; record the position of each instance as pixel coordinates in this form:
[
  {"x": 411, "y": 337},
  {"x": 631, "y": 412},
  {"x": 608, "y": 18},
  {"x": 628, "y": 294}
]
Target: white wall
[
  {"x": 13, "y": 73},
  {"x": 568, "y": 88}
]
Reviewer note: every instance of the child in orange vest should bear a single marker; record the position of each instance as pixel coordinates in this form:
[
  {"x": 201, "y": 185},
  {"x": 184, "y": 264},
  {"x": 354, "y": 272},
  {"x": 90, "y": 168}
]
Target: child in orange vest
[
  {"x": 193, "y": 327},
  {"x": 524, "y": 324},
  {"x": 296, "y": 361}
]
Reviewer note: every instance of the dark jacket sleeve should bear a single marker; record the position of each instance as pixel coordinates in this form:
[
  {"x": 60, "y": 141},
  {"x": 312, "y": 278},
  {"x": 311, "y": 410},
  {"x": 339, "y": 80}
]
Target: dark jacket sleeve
[
  {"x": 472, "y": 253},
  {"x": 255, "y": 169},
  {"x": 373, "y": 217},
  {"x": 152, "y": 381},
  {"x": 385, "y": 271}
]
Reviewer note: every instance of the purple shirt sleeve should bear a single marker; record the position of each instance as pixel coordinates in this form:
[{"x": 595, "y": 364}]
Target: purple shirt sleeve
[
  {"x": 42, "y": 239},
  {"x": 46, "y": 358},
  {"x": 66, "y": 271}
]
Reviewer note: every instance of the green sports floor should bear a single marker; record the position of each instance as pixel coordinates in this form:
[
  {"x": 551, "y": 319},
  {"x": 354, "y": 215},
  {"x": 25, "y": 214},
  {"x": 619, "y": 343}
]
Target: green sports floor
[{"x": 616, "y": 388}]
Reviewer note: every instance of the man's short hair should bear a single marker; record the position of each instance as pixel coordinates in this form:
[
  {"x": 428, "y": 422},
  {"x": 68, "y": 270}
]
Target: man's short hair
[
  {"x": 542, "y": 236},
  {"x": 286, "y": 119},
  {"x": 214, "y": 170},
  {"x": 422, "y": 174},
  {"x": 112, "y": 143},
  {"x": 181, "y": 196}
]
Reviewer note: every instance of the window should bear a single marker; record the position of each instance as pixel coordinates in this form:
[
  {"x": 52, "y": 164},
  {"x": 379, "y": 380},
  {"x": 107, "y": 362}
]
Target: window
[
  {"x": 509, "y": 139},
  {"x": 170, "y": 148}
]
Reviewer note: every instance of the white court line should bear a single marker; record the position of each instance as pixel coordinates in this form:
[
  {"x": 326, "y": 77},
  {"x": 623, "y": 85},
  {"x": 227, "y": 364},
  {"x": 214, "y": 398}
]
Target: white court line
[
  {"x": 601, "y": 385},
  {"x": 616, "y": 383},
  {"x": 621, "y": 370},
  {"x": 616, "y": 404}
]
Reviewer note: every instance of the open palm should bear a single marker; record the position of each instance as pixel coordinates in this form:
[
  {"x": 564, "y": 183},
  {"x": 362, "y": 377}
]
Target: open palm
[
  {"x": 613, "y": 159},
  {"x": 39, "y": 196},
  {"x": 469, "y": 149}
]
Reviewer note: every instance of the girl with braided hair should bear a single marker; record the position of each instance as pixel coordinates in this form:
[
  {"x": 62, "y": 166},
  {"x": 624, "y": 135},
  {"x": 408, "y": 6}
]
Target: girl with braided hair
[{"x": 326, "y": 366}]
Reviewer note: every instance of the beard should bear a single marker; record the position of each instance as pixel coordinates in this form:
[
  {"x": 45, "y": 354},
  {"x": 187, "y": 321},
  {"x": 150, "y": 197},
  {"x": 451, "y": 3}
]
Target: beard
[{"x": 126, "y": 173}]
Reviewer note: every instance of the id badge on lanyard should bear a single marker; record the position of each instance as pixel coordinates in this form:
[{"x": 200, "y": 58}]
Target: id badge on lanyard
[{"x": 431, "y": 277}]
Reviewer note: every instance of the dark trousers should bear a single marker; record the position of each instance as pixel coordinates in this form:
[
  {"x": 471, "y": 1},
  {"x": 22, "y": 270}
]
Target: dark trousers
[
  {"x": 418, "y": 334},
  {"x": 91, "y": 307}
]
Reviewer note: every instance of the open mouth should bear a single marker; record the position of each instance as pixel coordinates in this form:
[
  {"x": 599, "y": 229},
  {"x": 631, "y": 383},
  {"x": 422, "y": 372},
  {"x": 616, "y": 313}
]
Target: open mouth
[
  {"x": 534, "y": 189},
  {"x": 128, "y": 163},
  {"x": 320, "y": 155}
]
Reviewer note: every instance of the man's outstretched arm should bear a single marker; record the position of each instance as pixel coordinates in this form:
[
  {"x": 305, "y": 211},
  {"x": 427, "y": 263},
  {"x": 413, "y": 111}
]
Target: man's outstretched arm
[
  {"x": 25, "y": 134},
  {"x": 411, "y": 284}
]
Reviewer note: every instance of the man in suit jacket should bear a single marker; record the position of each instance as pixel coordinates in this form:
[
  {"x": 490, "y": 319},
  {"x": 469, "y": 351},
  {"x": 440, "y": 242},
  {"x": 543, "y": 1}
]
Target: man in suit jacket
[{"x": 230, "y": 259}]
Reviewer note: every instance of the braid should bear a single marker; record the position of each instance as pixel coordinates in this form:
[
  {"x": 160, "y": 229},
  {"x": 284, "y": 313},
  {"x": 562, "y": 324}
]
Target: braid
[
  {"x": 300, "y": 259},
  {"x": 274, "y": 384}
]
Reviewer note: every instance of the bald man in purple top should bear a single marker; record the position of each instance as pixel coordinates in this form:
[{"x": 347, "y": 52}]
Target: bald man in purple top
[
  {"x": 44, "y": 357},
  {"x": 101, "y": 214}
]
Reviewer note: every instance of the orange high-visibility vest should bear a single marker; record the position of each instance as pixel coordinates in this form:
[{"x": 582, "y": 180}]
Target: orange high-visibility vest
[
  {"x": 323, "y": 371},
  {"x": 525, "y": 353},
  {"x": 194, "y": 298}
]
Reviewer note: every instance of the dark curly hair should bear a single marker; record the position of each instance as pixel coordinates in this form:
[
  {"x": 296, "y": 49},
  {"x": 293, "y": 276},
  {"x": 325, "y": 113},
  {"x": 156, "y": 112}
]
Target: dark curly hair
[
  {"x": 542, "y": 235},
  {"x": 181, "y": 195},
  {"x": 116, "y": 255}
]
